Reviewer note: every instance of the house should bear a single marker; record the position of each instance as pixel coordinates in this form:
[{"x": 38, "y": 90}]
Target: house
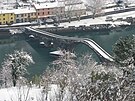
[
  {"x": 48, "y": 10},
  {"x": 74, "y": 8},
  {"x": 7, "y": 17},
  {"x": 27, "y": 14}
]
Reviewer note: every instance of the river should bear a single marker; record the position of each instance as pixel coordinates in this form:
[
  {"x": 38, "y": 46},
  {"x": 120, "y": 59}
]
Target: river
[{"x": 41, "y": 54}]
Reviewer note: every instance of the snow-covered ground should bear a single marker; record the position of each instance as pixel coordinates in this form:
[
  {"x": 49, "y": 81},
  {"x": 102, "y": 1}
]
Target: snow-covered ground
[
  {"x": 97, "y": 20},
  {"x": 27, "y": 94},
  {"x": 13, "y": 94}
]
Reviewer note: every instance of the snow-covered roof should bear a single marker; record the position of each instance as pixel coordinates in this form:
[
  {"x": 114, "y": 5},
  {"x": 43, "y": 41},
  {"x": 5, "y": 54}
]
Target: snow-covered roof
[
  {"x": 6, "y": 11},
  {"x": 72, "y": 1},
  {"x": 8, "y": 1},
  {"x": 48, "y": 5},
  {"x": 40, "y": 0},
  {"x": 75, "y": 7},
  {"x": 24, "y": 10},
  {"x": 19, "y": 10}
]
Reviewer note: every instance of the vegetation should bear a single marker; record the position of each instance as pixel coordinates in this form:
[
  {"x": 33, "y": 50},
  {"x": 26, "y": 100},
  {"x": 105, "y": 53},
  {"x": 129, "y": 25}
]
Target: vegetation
[
  {"x": 124, "y": 50},
  {"x": 95, "y": 6},
  {"x": 85, "y": 80},
  {"x": 80, "y": 79},
  {"x": 14, "y": 68}
]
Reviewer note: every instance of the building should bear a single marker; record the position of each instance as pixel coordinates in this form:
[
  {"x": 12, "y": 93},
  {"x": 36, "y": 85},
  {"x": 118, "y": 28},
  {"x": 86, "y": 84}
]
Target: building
[
  {"x": 74, "y": 8},
  {"x": 49, "y": 10},
  {"x": 25, "y": 15},
  {"x": 42, "y": 11},
  {"x": 7, "y": 17}
]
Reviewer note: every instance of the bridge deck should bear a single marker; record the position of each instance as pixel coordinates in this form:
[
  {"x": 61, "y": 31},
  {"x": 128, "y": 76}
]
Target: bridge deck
[{"x": 92, "y": 44}]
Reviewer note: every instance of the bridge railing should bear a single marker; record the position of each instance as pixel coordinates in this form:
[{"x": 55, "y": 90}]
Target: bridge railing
[
  {"x": 98, "y": 47},
  {"x": 53, "y": 35}
]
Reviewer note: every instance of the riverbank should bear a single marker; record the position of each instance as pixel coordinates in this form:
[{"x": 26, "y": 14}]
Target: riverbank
[{"x": 89, "y": 24}]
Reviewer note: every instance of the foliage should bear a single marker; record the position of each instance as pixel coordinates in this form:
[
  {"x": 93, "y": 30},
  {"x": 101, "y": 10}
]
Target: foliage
[
  {"x": 124, "y": 50},
  {"x": 14, "y": 68},
  {"x": 36, "y": 80},
  {"x": 85, "y": 80}
]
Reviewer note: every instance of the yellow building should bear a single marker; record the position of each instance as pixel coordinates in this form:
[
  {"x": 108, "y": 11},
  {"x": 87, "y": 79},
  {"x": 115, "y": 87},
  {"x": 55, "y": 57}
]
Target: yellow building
[{"x": 7, "y": 17}]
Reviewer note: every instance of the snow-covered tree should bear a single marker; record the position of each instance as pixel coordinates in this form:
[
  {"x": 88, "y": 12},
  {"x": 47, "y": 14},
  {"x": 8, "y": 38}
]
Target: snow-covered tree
[
  {"x": 85, "y": 80},
  {"x": 14, "y": 68},
  {"x": 124, "y": 50},
  {"x": 61, "y": 72},
  {"x": 95, "y": 6}
]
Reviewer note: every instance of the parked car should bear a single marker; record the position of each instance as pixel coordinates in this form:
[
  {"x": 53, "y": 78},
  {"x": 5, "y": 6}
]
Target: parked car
[
  {"x": 49, "y": 21},
  {"x": 109, "y": 18}
]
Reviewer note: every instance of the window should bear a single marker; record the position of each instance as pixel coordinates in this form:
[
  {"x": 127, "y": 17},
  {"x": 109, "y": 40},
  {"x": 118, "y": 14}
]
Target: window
[
  {"x": 48, "y": 12},
  {"x": 22, "y": 15},
  {"x": 3, "y": 18},
  {"x": 3, "y": 14},
  {"x": 31, "y": 14},
  {"x": 11, "y": 14},
  {"x": 43, "y": 13},
  {"x": 38, "y": 13},
  {"x": 25, "y": 19},
  {"x": 11, "y": 18}
]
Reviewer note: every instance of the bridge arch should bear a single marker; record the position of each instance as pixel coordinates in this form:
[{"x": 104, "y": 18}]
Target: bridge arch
[{"x": 89, "y": 42}]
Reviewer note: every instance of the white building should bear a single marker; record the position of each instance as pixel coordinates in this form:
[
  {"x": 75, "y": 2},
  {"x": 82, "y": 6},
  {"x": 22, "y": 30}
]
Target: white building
[{"x": 75, "y": 10}]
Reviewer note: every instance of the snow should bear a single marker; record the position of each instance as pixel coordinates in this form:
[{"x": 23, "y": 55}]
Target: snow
[
  {"x": 25, "y": 93},
  {"x": 99, "y": 50},
  {"x": 19, "y": 10},
  {"x": 75, "y": 7},
  {"x": 42, "y": 43},
  {"x": 24, "y": 10},
  {"x": 62, "y": 53},
  {"x": 90, "y": 21},
  {"x": 57, "y": 53},
  {"x": 12, "y": 94},
  {"x": 48, "y": 5},
  {"x": 6, "y": 11}
]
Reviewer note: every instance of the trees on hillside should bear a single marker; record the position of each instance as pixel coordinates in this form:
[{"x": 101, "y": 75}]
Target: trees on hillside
[
  {"x": 81, "y": 79},
  {"x": 124, "y": 50},
  {"x": 85, "y": 80},
  {"x": 14, "y": 68}
]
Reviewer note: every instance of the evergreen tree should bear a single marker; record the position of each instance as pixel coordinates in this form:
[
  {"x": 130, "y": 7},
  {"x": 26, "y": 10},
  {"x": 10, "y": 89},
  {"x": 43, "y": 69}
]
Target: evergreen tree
[{"x": 124, "y": 50}]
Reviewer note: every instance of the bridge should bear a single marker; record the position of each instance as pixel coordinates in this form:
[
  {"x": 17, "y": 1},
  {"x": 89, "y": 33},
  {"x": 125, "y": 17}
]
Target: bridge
[{"x": 89, "y": 42}]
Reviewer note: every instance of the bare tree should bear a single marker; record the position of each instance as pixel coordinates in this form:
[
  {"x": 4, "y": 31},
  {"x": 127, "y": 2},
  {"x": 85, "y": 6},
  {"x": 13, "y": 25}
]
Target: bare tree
[
  {"x": 14, "y": 68},
  {"x": 74, "y": 8},
  {"x": 95, "y": 6}
]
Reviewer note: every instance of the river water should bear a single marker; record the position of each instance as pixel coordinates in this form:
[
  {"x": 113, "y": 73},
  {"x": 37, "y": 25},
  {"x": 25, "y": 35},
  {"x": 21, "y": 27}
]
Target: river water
[{"x": 41, "y": 54}]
